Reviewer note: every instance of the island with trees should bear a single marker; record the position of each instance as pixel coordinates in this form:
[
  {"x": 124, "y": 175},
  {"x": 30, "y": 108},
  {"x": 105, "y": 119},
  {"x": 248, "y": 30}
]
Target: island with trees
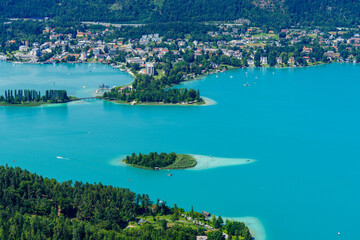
[
  {"x": 157, "y": 161},
  {"x": 32, "y": 98},
  {"x": 36, "y": 208}
]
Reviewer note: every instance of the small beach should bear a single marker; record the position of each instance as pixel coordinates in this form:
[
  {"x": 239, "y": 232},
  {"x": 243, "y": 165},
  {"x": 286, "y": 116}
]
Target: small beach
[{"x": 207, "y": 102}]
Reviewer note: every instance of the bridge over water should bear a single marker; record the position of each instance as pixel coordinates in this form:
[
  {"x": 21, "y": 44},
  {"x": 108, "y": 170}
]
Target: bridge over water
[{"x": 86, "y": 98}]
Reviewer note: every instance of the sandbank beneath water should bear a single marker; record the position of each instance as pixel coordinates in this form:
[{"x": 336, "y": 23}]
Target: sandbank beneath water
[
  {"x": 254, "y": 224},
  {"x": 208, "y": 101},
  {"x": 207, "y": 162},
  {"x": 51, "y": 105},
  {"x": 118, "y": 161},
  {"x": 203, "y": 162}
]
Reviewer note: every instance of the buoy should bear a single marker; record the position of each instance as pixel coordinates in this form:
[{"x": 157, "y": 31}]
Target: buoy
[{"x": 339, "y": 233}]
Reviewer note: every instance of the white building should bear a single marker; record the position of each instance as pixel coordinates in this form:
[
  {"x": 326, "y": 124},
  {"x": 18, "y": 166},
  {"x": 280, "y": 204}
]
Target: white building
[
  {"x": 35, "y": 52},
  {"x": 23, "y": 48},
  {"x": 83, "y": 56},
  {"x": 263, "y": 60},
  {"x": 135, "y": 60},
  {"x": 150, "y": 68}
]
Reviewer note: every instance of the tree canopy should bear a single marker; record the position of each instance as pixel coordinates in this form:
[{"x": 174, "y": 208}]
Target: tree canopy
[{"x": 269, "y": 13}]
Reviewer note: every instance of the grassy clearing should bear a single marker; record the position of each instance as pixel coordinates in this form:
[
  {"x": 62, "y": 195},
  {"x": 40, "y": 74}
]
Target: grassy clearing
[
  {"x": 182, "y": 161},
  {"x": 155, "y": 222},
  {"x": 229, "y": 67}
]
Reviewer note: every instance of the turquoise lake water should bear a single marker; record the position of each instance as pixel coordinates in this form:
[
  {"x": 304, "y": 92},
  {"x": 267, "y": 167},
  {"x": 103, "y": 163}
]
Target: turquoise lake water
[{"x": 300, "y": 125}]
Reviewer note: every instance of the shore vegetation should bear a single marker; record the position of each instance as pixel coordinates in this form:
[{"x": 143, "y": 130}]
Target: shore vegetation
[
  {"x": 154, "y": 160},
  {"x": 33, "y": 98}
]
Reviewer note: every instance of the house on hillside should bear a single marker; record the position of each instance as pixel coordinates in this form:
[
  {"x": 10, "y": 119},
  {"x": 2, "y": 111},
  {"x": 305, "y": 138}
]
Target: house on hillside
[
  {"x": 206, "y": 214},
  {"x": 201, "y": 237},
  {"x": 142, "y": 221}
]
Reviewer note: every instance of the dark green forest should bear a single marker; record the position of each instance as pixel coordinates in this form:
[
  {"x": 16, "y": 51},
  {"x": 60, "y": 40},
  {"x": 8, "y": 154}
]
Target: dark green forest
[
  {"x": 21, "y": 96},
  {"x": 270, "y": 13},
  {"x": 37, "y": 208},
  {"x": 152, "y": 159}
]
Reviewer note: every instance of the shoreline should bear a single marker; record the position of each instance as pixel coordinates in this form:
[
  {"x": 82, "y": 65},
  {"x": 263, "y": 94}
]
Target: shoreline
[
  {"x": 192, "y": 79},
  {"x": 32, "y": 104},
  {"x": 254, "y": 224},
  {"x": 206, "y": 102}
]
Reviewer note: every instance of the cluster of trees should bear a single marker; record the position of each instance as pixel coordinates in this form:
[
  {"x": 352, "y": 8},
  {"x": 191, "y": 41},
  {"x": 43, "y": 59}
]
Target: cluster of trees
[
  {"x": 33, "y": 207},
  {"x": 152, "y": 159},
  {"x": 285, "y": 52},
  {"x": 197, "y": 65},
  {"x": 147, "y": 89},
  {"x": 20, "y": 31},
  {"x": 55, "y": 96},
  {"x": 273, "y": 13},
  {"x": 21, "y": 96},
  {"x": 237, "y": 229}
]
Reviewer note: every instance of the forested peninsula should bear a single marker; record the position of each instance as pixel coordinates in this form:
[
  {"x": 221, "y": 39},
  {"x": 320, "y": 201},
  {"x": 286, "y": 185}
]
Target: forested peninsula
[
  {"x": 37, "y": 208},
  {"x": 157, "y": 161},
  {"x": 147, "y": 89},
  {"x": 33, "y": 98}
]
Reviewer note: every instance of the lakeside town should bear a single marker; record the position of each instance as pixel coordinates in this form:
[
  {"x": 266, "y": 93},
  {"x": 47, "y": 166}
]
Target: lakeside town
[
  {"x": 230, "y": 46},
  {"x": 179, "y": 120}
]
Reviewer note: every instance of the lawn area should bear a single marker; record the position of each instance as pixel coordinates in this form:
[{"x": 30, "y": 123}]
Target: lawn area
[
  {"x": 229, "y": 67},
  {"x": 155, "y": 222}
]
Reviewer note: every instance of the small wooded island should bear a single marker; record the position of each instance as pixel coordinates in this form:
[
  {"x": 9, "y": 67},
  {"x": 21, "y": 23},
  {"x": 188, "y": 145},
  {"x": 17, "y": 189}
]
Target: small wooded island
[
  {"x": 33, "y": 98},
  {"x": 157, "y": 161},
  {"x": 147, "y": 89}
]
